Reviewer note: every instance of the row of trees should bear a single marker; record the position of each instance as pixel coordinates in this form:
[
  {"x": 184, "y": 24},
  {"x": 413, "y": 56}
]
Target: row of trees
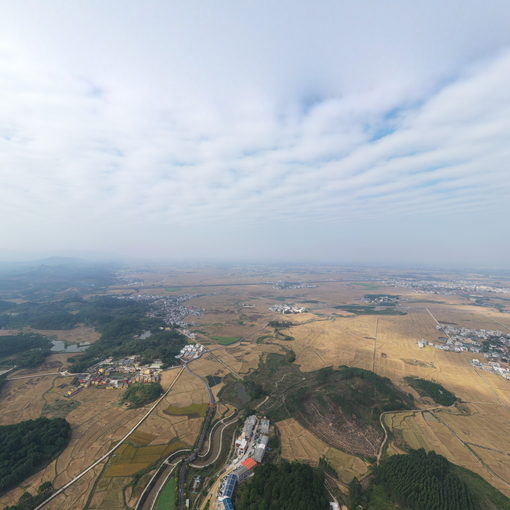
[{"x": 26, "y": 446}]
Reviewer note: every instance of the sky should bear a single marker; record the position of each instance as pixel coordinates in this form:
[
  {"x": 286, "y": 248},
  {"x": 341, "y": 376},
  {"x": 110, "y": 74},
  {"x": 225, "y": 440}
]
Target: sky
[{"x": 372, "y": 132}]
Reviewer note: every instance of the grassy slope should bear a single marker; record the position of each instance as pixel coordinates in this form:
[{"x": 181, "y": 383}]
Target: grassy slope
[{"x": 489, "y": 497}]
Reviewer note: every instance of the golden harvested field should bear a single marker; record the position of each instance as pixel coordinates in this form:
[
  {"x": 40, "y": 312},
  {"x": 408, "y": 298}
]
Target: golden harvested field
[
  {"x": 22, "y": 399},
  {"x": 128, "y": 459},
  {"x": 96, "y": 423},
  {"x": 474, "y": 441},
  {"x": 300, "y": 444},
  {"x": 388, "y": 345},
  {"x": 323, "y": 336},
  {"x": 80, "y": 334},
  {"x": 158, "y": 436}
]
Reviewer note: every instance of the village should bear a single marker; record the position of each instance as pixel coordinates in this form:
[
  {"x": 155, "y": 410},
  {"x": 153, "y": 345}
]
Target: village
[
  {"x": 116, "y": 374},
  {"x": 492, "y": 344},
  {"x": 168, "y": 308},
  {"x": 113, "y": 374}
]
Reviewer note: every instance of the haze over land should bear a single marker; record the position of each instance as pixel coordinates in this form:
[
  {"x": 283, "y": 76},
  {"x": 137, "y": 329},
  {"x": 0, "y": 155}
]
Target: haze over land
[{"x": 366, "y": 132}]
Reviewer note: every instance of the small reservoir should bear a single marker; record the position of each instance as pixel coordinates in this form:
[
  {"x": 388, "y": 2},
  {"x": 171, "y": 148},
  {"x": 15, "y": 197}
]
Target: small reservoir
[{"x": 61, "y": 346}]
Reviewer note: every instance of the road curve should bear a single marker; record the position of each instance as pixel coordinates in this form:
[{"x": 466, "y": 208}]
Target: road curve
[{"x": 203, "y": 462}]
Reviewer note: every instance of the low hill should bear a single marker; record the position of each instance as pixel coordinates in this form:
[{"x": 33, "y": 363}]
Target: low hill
[
  {"x": 343, "y": 407},
  {"x": 424, "y": 480},
  {"x": 139, "y": 394},
  {"x": 435, "y": 391}
]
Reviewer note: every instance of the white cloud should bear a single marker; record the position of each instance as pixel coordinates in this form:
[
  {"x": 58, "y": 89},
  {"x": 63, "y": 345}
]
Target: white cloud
[{"x": 320, "y": 130}]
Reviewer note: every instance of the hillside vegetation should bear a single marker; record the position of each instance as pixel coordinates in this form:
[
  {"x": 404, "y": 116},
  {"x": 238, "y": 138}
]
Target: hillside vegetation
[
  {"x": 425, "y": 481},
  {"x": 435, "y": 391},
  {"x": 120, "y": 323},
  {"x": 139, "y": 394},
  {"x": 27, "y": 446},
  {"x": 341, "y": 406},
  {"x": 284, "y": 486}
]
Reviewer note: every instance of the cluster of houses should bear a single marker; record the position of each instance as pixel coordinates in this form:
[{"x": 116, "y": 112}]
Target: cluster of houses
[
  {"x": 191, "y": 351},
  {"x": 118, "y": 374},
  {"x": 287, "y": 309},
  {"x": 493, "y": 345},
  {"x": 492, "y": 366},
  {"x": 381, "y": 299}
]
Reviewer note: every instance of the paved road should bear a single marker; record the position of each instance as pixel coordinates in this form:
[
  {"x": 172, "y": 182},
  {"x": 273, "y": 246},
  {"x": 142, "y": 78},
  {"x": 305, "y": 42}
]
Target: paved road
[
  {"x": 200, "y": 443},
  {"x": 108, "y": 453},
  {"x": 39, "y": 375},
  {"x": 215, "y": 446}
]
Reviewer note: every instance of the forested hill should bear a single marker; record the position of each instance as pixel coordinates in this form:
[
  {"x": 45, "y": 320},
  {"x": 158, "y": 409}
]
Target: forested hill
[
  {"x": 27, "y": 446},
  {"x": 284, "y": 486},
  {"x": 424, "y": 481}
]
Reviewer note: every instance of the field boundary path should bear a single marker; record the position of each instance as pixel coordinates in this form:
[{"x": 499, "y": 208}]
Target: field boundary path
[
  {"x": 39, "y": 375},
  {"x": 108, "y": 453},
  {"x": 381, "y": 421},
  {"x": 200, "y": 443}
]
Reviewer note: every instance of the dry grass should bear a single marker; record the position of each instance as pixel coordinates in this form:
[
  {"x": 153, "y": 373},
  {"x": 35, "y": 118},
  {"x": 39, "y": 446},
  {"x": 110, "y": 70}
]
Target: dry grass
[
  {"x": 300, "y": 444},
  {"x": 80, "y": 334},
  {"x": 385, "y": 344}
]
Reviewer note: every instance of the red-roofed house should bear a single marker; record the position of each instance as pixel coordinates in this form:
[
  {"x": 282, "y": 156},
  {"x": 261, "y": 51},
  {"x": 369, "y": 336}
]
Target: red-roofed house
[{"x": 249, "y": 463}]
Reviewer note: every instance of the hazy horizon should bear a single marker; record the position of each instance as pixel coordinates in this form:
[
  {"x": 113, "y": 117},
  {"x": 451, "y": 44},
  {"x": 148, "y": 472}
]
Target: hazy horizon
[{"x": 371, "y": 133}]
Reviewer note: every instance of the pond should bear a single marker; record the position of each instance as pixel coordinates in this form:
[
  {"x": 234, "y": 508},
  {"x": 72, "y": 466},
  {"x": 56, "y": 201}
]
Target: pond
[{"x": 61, "y": 346}]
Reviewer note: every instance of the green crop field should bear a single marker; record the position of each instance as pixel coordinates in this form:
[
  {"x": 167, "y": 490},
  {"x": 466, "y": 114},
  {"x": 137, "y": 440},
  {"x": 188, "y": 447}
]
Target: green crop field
[
  {"x": 225, "y": 340},
  {"x": 192, "y": 411},
  {"x": 166, "y": 500}
]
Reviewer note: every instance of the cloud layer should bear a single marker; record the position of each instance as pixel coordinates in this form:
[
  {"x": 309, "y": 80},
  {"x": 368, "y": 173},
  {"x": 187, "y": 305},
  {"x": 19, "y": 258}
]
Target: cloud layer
[{"x": 329, "y": 133}]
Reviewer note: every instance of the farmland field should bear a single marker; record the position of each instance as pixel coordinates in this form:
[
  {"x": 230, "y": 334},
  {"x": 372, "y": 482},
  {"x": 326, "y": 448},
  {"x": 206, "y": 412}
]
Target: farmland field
[
  {"x": 337, "y": 329},
  {"x": 166, "y": 500},
  {"x": 225, "y": 340}
]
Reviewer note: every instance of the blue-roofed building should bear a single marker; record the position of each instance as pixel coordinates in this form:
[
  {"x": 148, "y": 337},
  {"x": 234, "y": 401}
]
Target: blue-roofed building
[
  {"x": 230, "y": 485},
  {"x": 227, "y": 504}
]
